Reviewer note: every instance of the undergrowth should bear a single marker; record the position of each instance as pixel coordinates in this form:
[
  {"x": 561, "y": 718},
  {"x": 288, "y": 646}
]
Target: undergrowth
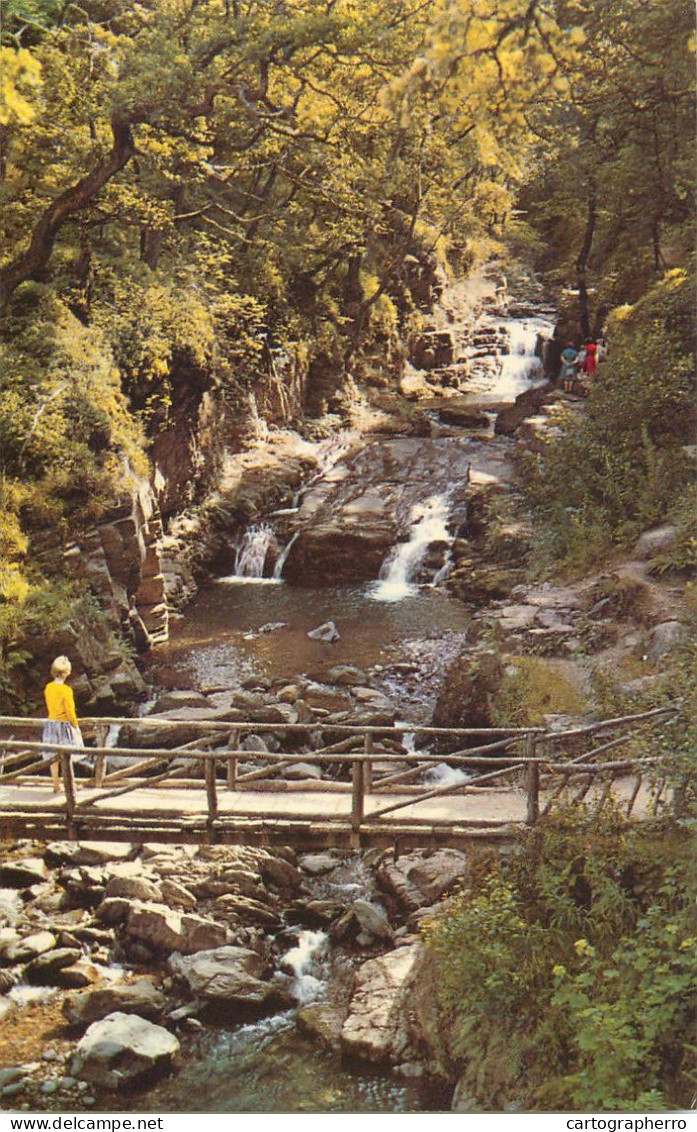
[{"x": 568, "y": 979}]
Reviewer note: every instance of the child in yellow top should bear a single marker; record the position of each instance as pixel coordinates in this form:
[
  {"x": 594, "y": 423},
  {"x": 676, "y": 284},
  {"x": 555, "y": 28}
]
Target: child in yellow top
[
  {"x": 60, "y": 702},
  {"x": 61, "y": 728}
]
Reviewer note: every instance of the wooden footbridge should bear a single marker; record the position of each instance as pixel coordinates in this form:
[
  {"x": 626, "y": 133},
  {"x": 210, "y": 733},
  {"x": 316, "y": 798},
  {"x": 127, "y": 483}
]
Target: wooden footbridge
[{"x": 370, "y": 791}]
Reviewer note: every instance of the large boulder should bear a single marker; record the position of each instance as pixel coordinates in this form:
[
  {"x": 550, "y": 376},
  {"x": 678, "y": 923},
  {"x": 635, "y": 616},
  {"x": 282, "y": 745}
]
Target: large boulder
[
  {"x": 179, "y": 698},
  {"x": 226, "y": 976},
  {"x": 327, "y": 698},
  {"x": 178, "y": 727},
  {"x": 122, "y": 1049},
  {"x": 282, "y": 874},
  {"x": 102, "y": 852},
  {"x": 372, "y": 919},
  {"x": 142, "y": 998},
  {"x": 417, "y": 881},
  {"x": 376, "y": 1027},
  {"x": 323, "y": 1023},
  {"x": 177, "y": 895},
  {"x": 526, "y": 405},
  {"x": 659, "y": 540},
  {"x": 333, "y": 550},
  {"x": 466, "y": 695},
  {"x": 44, "y": 969},
  {"x": 28, "y": 947},
  {"x": 133, "y": 888},
  {"x": 662, "y": 639},
  {"x": 165, "y": 930},
  {"x": 22, "y": 874}
]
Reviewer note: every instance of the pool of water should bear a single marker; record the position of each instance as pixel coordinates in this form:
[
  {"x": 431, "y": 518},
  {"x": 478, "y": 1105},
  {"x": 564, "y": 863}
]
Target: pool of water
[
  {"x": 269, "y": 1067},
  {"x": 237, "y": 628}
]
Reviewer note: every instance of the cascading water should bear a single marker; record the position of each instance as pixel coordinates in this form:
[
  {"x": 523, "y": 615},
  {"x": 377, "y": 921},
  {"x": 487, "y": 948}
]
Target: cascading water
[
  {"x": 10, "y": 906},
  {"x": 252, "y": 551},
  {"x": 301, "y": 960},
  {"x": 429, "y": 525},
  {"x": 281, "y": 560},
  {"x": 259, "y": 539},
  {"x": 444, "y": 775},
  {"x": 522, "y": 367},
  {"x": 327, "y": 454},
  {"x": 252, "y": 554}
]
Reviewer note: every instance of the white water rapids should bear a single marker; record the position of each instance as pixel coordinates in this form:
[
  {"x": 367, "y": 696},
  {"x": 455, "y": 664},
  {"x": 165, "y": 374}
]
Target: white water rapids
[
  {"x": 302, "y": 960},
  {"x": 521, "y": 367},
  {"x": 429, "y": 525}
]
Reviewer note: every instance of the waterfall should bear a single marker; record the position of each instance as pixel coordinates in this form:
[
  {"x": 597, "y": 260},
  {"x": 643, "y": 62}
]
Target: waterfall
[
  {"x": 252, "y": 551},
  {"x": 300, "y": 959},
  {"x": 522, "y": 366},
  {"x": 281, "y": 560},
  {"x": 429, "y": 525},
  {"x": 444, "y": 571}
]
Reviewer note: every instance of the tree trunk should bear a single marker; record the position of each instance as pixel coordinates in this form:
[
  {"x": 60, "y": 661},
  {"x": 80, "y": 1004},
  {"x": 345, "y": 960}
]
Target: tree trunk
[
  {"x": 582, "y": 261},
  {"x": 150, "y": 244},
  {"x": 30, "y": 263}
]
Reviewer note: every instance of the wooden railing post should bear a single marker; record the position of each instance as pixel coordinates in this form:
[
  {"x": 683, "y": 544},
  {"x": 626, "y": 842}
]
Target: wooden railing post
[
  {"x": 232, "y": 762},
  {"x": 368, "y": 767},
  {"x": 66, "y": 762},
  {"x": 357, "y": 798},
  {"x": 532, "y": 784},
  {"x": 101, "y": 733},
  {"x": 211, "y": 793}
]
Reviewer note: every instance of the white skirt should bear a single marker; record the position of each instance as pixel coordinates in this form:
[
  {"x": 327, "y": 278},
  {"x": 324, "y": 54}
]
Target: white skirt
[{"x": 59, "y": 733}]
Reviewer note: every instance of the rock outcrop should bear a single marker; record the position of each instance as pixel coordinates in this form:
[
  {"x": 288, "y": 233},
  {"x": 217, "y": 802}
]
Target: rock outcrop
[
  {"x": 141, "y": 997},
  {"x": 229, "y": 977},
  {"x": 376, "y": 1027},
  {"x": 122, "y": 1049},
  {"x": 420, "y": 879}
]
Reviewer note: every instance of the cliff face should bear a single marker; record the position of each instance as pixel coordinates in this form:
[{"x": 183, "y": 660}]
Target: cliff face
[
  {"x": 135, "y": 572},
  {"x": 205, "y": 426}
]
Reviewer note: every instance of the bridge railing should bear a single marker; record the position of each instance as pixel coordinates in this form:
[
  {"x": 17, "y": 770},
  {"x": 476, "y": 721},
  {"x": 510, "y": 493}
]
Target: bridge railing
[{"x": 367, "y": 761}]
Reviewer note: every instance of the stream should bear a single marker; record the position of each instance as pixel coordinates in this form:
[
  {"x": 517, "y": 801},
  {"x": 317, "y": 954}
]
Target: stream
[
  {"x": 270, "y": 1067},
  {"x": 401, "y": 627}
]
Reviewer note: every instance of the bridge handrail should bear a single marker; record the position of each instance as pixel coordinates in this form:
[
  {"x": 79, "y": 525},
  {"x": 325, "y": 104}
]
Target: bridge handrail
[
  {"x": 530, "y": 762},
  {"x": 253, "y": 725},
  {"x": 545, "y": 733}
]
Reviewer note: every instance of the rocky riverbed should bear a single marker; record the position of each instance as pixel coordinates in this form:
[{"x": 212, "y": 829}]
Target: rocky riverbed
[{"x": 113, "y": 958}]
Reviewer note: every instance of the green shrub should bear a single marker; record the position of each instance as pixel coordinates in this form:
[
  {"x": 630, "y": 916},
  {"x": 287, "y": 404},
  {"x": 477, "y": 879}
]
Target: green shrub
[
  {"x": 621, "y": 467},
  {"x": 568, "y": 980},
  {"x": 534, "y": 689}
]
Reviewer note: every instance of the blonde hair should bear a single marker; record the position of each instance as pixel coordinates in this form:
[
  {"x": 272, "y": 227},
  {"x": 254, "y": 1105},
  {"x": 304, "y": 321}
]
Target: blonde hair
[{"x": 61, "y": 666}]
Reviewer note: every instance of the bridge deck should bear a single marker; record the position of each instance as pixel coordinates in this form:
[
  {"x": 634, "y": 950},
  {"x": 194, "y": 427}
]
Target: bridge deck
[{"x": 307, "y": 818}]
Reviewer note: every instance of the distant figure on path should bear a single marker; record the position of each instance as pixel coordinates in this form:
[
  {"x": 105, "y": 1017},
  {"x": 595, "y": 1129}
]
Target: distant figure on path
[
  {"x": 590, "y": 364},
  {"x": 61, "y": 728},
  {"x": 567, "y": 373}
]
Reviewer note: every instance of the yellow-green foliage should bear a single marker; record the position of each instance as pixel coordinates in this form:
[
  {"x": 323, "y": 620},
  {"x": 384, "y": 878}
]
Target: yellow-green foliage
[
  {"x": 70, "y": 448},
  {"x": 151, "y": 327},
  {"x": 69, "y": 444},
  {"x": 20, "y": 78},
  {"x": 536, "y": 688},
  {"x": 567, "y": 979}
]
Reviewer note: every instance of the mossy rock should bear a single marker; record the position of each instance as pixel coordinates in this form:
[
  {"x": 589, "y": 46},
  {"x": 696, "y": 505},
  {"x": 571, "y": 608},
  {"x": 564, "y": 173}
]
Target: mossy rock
[
  {"x": 468, "y": 691},
  {"x": 480, "y": 583}
]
